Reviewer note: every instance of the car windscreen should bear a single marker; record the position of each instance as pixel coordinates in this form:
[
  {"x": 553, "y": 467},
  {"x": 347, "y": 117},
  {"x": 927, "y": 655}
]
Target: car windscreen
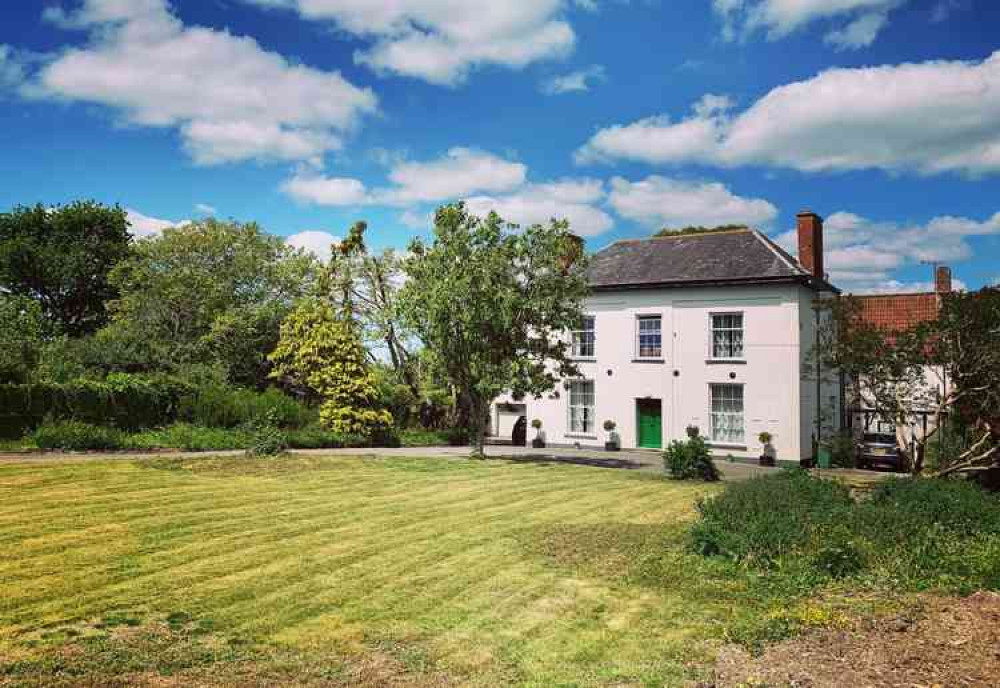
[{"x": 878, "y": 438}]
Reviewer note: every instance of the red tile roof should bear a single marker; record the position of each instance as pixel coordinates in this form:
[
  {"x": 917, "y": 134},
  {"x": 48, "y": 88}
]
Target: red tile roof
[{"x": 899, "y": 312}]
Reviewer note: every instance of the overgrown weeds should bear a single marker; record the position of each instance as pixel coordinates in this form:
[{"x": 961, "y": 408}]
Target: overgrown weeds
[{"x": 909, "y": 534}]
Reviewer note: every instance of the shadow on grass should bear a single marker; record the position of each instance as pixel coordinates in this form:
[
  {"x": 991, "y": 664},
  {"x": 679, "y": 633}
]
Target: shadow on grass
[{"x": 552, "y": 459}]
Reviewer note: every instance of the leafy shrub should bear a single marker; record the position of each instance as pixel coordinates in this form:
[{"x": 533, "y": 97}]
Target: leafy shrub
[
  {"x": 123, "y": 401},
  {"x": 188, "y": 437},
  {"x": 419, "y": 437},
  {"x": 266, "y": 438},
  {"x": 457, "y": 437},
  {"x": 843, "y": 450},
  {"x": 315, "y": 437},
  {"x": 690, "y": 460},
  {"x": 72, "y": 435},
  {"x": 910, "y": 533},
  {"x": 221, "y": 406}
]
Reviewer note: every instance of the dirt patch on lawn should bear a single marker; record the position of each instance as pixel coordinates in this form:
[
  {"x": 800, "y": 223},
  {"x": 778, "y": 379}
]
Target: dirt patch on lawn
[
  {"x": 121, "y": 651},
  {"x": 946, "y": 641}
]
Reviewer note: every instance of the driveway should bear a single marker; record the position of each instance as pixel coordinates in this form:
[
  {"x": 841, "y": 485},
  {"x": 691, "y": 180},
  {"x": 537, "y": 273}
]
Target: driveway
[{"x": 642, "y": 460}]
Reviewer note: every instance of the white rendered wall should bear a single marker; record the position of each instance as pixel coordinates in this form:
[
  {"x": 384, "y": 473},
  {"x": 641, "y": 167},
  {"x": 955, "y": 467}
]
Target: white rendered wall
[{"x": 771, "y": 373}]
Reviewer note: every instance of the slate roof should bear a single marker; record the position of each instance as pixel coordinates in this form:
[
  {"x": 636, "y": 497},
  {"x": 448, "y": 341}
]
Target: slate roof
[
  {"x": 899, "y": 312},
  {"x": 731, "y": 257}
]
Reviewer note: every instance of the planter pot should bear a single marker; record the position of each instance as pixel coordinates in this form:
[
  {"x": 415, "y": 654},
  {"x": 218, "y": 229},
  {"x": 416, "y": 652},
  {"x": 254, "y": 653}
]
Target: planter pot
[
  {"x": 538, "y": 443},
  {"x": 612, "y": 446},
  {"x": 766, "y": 460}
]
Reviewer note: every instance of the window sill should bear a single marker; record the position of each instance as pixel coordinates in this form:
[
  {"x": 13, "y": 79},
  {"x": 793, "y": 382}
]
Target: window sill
[
  {"x": 726, "y": 445},
  {"x": 648, "y": 360},
  {"x": 580, "y": 436},
  {"x": 584, "y": 359},
  {"x": 726, "y": 361}
]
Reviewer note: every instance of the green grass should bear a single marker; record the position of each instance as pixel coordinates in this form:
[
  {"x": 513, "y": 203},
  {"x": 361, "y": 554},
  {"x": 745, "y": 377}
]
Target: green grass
[{"x": 347, "y": 571}]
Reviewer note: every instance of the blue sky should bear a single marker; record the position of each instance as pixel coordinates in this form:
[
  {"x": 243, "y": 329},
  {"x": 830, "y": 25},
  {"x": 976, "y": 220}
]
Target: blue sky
[{"x": 624, "y": 116}]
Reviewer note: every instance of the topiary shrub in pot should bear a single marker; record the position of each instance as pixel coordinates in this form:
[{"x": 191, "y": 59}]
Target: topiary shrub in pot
[
  {"x": 614, "y": 442},
  {"x": 539, "y": 441},
  {"x": 768, "y": 452}
]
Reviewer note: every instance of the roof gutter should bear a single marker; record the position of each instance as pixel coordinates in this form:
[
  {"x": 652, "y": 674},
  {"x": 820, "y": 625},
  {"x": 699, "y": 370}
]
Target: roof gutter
[{"x": 805, "y": 280}]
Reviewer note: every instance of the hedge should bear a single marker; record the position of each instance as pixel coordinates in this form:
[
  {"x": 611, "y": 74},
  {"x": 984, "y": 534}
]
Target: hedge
[{"x": 121, "y": 401}]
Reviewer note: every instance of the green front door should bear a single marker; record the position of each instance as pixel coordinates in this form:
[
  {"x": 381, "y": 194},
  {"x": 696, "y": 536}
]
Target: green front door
[{"x": 650, "y": 423}]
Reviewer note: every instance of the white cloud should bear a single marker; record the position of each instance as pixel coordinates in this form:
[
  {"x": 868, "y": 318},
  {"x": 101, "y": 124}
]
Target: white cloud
[
  {"x": 205, "y": 209},
  {"x": 930, "y": 117},
  {"x": 485, "y": 181},
  {"x": 231, "y": 99},
  {"x": 142, "y": 226},
  {"x": 661, "y": 202},
  {"x": 862, "y": 254},
  {"x": 11, "y": 68},
  {"x": 779, "y": 18},
  {"x": 566, "y": 199},
  {"x": 944, "y": 8},
  {"x": 580, "y": 80},
  {"x": 415, "y": 219},
  {"x": 859, "y": 33},
  {"x": 441, "y": 41},
  {"x": 316, "y": 242},
  {"x": 460, "y": 172},
  {"x": 893, "y": 286},
  {"x": 332, "y": 191}
]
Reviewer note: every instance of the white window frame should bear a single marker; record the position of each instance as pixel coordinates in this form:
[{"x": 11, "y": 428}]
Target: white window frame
[
  {"x": 586, "y": 418},
  {"x": 711, "y": 335},
  {"x": 728, "y": 441},
  {"x": 638, "y": 336},
  {"x": 575, "y": 343}
]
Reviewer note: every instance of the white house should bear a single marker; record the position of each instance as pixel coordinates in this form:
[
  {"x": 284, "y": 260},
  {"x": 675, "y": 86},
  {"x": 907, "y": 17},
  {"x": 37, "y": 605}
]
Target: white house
[{"x": 711, "y": 329}]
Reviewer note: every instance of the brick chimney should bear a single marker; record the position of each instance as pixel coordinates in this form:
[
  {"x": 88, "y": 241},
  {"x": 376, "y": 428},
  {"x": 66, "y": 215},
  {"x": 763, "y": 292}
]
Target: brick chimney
[
  {"x": 810, "y": 227},
  {"x": 942, "y": 280}
]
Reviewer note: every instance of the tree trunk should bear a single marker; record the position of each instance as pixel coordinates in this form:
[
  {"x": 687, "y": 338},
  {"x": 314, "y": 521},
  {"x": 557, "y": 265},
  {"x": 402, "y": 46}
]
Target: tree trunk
[{"x": 478, "y": 411}]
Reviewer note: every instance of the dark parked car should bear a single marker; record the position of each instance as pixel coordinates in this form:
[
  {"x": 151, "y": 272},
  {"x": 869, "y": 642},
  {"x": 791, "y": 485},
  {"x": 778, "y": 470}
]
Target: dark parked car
[{"x": 880, "y": 449}]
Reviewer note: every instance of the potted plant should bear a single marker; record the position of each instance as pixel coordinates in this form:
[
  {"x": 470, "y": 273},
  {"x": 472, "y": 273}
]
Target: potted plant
[
  {"x": 614, "y": 442},
  {"x": 768, "y": 453},
  {"x": 539, "y": 441}
]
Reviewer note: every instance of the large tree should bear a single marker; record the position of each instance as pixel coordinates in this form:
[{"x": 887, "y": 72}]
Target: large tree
[
  {"x": 21, "y": 337},
  {"x": 946, "y": 368},
  {"x": 366, "y": 285},
  {"x": 61, "y": 257},
  {"x": 494, "y": 302},
  {"x": 966, "y": 340},
  {"x": 209, "y": 291}
]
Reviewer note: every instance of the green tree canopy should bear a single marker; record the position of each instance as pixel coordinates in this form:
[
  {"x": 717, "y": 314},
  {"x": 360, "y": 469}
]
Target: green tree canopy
[
  {"x": 61, "y": 257},
  {"x": 495, "y": 303},
  {"x": 209, "y": 291},
  {"x": 21, "y": 330}
]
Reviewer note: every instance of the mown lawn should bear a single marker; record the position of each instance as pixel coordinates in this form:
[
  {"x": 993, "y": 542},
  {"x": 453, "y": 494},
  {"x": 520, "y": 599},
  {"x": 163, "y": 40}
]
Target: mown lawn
[{"x": 348, "y": 571}]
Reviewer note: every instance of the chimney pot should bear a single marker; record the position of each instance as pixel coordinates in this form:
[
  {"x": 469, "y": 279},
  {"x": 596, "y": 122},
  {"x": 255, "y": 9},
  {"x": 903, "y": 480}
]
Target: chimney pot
[
  {"x": 942, "y": 280},
  {"x": 810, "y": 231}
]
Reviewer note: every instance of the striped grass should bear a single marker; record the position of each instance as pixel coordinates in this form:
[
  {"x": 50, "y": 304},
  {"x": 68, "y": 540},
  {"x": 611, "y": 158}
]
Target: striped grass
[{"x": 355, "y": 571}]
